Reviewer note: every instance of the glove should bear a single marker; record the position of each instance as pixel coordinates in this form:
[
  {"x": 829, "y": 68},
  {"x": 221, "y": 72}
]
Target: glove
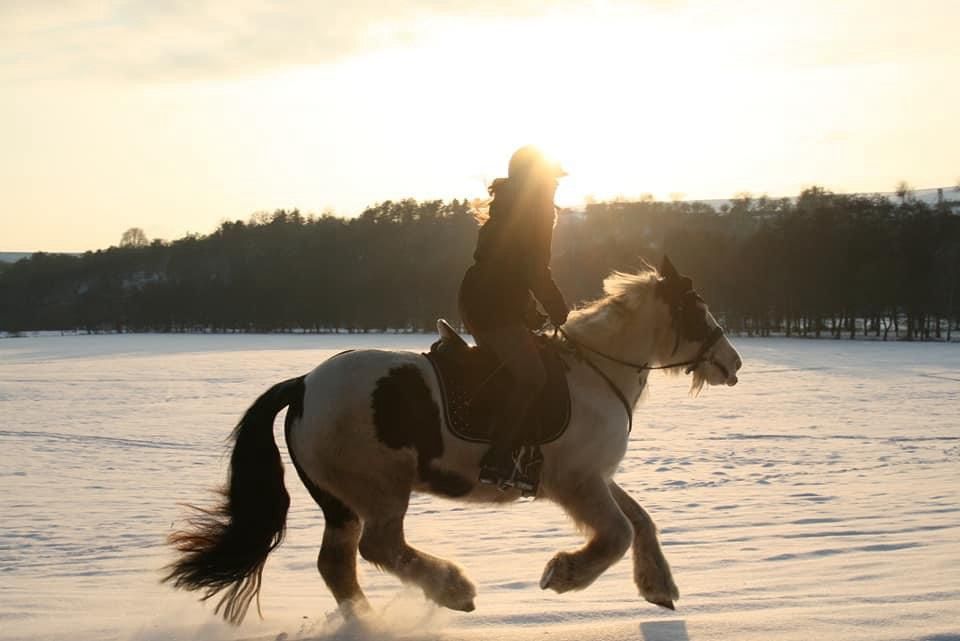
[{"x": 558, "y": 315}]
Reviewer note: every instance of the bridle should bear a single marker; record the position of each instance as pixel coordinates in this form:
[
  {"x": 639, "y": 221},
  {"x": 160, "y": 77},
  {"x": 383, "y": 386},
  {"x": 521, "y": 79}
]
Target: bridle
[{"x": 701, "y": 357}]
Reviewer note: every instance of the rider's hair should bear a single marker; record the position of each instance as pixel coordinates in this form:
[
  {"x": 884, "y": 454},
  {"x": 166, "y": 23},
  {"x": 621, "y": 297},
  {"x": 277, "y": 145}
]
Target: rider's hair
[{"x": 505, "y": 194}]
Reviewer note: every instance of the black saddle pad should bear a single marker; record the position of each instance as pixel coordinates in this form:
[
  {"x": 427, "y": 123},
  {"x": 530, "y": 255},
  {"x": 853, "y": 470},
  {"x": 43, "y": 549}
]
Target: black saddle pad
[{"x": 473, "y": 386}]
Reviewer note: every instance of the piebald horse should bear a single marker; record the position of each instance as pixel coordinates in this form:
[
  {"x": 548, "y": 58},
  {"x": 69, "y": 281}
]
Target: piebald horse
[{"x": 365, "y": 429}]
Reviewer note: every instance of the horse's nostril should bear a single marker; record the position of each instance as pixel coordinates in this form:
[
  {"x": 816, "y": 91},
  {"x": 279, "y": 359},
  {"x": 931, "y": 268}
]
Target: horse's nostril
[{"x": 738, "y": 364}]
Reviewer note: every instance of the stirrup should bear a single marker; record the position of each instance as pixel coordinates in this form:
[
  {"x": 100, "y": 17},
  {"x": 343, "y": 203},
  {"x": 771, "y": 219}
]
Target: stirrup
[
  {"x": 526, "y": 486},
  {"x": 515, "y": 481},
  {"x": 491, "y": 475}
]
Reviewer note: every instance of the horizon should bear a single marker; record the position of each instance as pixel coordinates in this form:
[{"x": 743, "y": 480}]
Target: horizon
[
  {"x": 172, "y": 120},
  {"x": 713, "y": 202}
]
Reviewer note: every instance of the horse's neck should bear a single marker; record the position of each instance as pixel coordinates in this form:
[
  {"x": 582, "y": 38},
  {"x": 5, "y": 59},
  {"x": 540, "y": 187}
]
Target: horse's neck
[{"x": 606, "y": 332}]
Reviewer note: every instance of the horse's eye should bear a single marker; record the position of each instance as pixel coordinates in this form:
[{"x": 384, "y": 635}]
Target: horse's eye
[{"x": 695, "y": 322}]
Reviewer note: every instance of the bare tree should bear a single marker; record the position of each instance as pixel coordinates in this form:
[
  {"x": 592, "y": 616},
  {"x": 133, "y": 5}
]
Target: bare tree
[
  {"x": 904, "y": 191},
  {"x": 134, "y": 237}
]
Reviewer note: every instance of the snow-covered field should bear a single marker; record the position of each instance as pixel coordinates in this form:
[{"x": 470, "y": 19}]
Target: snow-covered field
[{"x": 817, "y": 500}]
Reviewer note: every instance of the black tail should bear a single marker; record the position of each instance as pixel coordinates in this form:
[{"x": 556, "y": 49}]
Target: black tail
[{"x": 225, "y": 549}]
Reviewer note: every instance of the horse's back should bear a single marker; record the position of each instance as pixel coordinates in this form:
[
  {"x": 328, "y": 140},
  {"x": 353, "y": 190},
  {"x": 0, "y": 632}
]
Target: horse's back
[
  {"x": 361, "y": 408},
  {"x": 343, "y": 387}
]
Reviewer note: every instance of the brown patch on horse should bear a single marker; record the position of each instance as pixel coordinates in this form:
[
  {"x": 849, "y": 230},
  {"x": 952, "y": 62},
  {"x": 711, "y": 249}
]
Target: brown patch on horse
[{"x": 405, "y": 416}]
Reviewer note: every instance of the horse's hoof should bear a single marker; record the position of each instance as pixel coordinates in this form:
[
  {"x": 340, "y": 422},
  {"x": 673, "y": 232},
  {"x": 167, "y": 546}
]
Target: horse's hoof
[
  {"x": 665, "y": 604},
  {"x": 548, "y": 573},
  {"x": 463, "y": 607},
  {"x": 559, "y": 574},
  {"x": 455, "y": 592},
  {"x": 353, "y": 609}
]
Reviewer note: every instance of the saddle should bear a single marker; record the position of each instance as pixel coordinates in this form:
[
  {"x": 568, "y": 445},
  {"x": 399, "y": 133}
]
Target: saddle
[{"x": 472, "y": 384}]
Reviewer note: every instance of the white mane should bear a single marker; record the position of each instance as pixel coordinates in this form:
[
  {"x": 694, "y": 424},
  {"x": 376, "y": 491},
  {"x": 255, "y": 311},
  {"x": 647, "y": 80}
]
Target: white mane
[
  {"x": 615, "y": 322},
  {"x": 621, "y": 290},
  {"x": 628, "y": 286}
]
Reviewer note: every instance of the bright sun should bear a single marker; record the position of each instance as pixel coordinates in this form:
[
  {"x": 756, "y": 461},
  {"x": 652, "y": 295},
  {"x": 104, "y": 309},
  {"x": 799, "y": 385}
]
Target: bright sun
[
  {"x": 609, "y": 96},
  {"x": 479, "y": 91},
  {"x": 557, "y": 81}
]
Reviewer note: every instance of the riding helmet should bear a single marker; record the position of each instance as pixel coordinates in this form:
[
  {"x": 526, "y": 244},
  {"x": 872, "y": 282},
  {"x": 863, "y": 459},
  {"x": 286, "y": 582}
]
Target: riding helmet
[{"x": 529, "y": 160}]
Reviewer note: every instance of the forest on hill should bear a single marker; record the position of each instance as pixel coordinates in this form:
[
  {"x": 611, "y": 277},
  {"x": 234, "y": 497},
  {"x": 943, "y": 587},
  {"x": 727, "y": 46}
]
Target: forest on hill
[{"x": 822, "y": 264}]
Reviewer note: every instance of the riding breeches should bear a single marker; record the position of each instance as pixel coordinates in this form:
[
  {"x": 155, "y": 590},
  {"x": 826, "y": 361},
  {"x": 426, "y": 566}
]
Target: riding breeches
[{"x": 516, "y": 349}]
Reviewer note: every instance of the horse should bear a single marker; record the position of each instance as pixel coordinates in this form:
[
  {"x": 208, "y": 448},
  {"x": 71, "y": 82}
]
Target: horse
[{"x": 365, "y": 430}]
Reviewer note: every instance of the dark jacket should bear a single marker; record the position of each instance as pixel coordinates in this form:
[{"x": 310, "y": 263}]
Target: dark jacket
[{"x": 511, "y": 262}]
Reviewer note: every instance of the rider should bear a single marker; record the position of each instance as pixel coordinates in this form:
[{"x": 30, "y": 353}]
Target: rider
[{"x": 512, "y": 260}]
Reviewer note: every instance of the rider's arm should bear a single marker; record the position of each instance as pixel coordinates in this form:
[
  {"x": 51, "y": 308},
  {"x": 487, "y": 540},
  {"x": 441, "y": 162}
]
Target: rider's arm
[{"x": 539, "y": 277}]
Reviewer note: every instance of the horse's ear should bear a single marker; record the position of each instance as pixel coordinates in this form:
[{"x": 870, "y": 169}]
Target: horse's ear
[{"x": 667, "y": 270}]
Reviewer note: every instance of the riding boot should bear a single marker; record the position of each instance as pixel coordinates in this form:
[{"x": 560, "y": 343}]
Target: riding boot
[
  {"x": 498, "y": 466},
  {"x": 517, "y": 352}
]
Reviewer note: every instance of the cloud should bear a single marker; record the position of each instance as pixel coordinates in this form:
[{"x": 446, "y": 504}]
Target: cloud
[{"x": 148, "y": 41}]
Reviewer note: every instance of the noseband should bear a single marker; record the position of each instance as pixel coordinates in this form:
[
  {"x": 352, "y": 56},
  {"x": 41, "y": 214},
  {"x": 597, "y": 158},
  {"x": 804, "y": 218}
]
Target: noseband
[{"x": 715, "y": 334}]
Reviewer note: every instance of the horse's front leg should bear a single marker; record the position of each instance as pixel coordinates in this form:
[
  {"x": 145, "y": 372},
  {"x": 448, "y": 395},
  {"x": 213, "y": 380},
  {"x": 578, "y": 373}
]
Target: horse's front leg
[
  {"x": 651, "y": 572},
  {"x": 592, "y": 506}
]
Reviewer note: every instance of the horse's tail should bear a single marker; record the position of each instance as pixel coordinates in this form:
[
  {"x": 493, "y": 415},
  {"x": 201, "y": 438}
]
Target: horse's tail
[{"x": 225, "y": 549}]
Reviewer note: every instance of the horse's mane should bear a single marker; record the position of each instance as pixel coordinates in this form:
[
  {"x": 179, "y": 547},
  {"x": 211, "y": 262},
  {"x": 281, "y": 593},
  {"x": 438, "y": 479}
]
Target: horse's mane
[
  {"x": 628, "y": 285},
  {"x": 624, "y": 293},
  {"x": 622, "y": 289}
]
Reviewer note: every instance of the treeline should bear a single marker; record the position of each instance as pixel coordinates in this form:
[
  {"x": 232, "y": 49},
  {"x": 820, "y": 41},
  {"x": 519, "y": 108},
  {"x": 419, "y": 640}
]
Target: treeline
[{"x": 820, "y": 264}]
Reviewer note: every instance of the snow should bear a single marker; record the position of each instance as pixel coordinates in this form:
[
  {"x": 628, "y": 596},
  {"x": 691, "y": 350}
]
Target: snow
[
  {"x": 818, "y": 499},
  {"x": 12, "y": 257}
]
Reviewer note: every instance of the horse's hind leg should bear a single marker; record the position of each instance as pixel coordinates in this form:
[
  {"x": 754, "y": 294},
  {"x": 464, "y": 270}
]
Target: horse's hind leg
[
  {"x": 591, "y": 505},
  {"x": 383, "y": 544},
  {"x": 651, "y": 572},
  {"x": 337, "y": 560}
]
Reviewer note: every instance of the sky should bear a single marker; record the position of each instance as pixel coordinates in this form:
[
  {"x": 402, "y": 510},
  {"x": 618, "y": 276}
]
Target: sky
[{"x": 174, "y": 116}]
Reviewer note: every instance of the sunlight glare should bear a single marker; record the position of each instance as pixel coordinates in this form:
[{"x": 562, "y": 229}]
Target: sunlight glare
[{"x": 558, "y": 81}]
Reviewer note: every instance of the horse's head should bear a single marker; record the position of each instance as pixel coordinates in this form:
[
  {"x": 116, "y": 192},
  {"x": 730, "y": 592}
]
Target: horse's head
[
  {"x": 656, "y": 320},
  {"x": 695, "y": 339}
]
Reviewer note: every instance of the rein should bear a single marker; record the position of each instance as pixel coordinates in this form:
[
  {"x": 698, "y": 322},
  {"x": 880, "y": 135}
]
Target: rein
[
  {"x": 579, "y": 347},
  {"x": 709, "y": 342}
]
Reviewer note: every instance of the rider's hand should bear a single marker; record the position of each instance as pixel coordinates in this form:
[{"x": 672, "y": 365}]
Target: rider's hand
[
  {"x": 559, "y": 316},
  {"x": 534, "y": 320}
]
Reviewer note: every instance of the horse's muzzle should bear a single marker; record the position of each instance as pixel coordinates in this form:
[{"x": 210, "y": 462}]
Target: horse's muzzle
[{"x": 729, "y": 379}]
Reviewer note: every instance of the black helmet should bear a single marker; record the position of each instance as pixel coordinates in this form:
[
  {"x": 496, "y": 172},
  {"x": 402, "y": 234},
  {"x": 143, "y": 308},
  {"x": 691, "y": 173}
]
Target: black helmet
[{"x": 529, "y": 160}]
